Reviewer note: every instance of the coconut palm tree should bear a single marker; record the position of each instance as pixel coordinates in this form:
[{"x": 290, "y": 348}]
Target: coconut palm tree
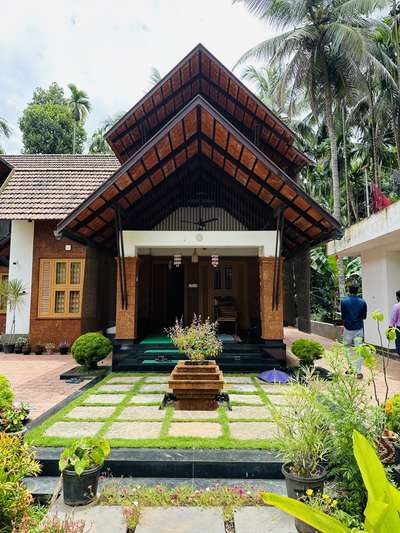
[
  {"x": 5, "y": 129},
  {"x": 98, "y": 144},
  {"x": 322, "y": 45},
  {"x": 154, "y": 77},
  {"x": 80, "y": 106}
]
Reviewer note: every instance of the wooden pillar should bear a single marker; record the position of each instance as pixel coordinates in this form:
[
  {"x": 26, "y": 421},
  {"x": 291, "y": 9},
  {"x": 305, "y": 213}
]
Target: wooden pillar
[
  {"x": 302, "y": 273},
  {"x": 271, "y": 320},
  {"x": 126, "y": 319}
]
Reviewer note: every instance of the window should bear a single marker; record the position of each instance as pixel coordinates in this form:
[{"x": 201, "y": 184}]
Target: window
[
  {"x": 223, "y": 278},
  {"x": 3, "y": 300},
  {"x": 60, "y": 288}
]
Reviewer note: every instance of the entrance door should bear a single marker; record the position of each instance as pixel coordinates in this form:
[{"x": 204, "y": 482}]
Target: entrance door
[
  {"x": 175, "y": 294},
  {"x": 167, "y": 295}
]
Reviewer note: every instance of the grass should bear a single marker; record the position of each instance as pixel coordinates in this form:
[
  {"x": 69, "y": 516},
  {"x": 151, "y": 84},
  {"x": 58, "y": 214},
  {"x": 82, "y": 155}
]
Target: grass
[
  {"x": 37, "y": 435},
  {"x": 134, "y": 499}
]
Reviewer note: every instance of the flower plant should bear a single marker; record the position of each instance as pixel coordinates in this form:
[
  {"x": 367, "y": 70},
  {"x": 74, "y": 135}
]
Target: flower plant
[{"x": 199, "y": 341}]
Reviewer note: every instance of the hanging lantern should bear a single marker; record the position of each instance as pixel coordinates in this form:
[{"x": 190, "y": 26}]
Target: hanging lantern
[
  {"x": 195, "y": 257},
  {"x": 177, "y": 260},
  {"x": 215, "y": 261}
]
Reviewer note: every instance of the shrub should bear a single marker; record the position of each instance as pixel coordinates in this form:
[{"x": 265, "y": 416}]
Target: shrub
[
  {"x": 199, "y": 341},
  {"x": 392, "y": 409},
  {"x": 307, "y": 350},
  {"x": 6, "y": 395},
  {"x": 90, "y": 348},
  {"x": 16, "y": 461}
]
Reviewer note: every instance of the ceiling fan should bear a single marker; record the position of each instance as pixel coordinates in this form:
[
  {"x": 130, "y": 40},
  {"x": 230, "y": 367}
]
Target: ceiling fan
[{"x": 201, "y": 203}]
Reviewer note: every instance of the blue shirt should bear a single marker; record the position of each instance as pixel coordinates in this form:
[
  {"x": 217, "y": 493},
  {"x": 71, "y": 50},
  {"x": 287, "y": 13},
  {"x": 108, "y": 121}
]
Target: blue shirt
[{"x": 354, "y": 311}]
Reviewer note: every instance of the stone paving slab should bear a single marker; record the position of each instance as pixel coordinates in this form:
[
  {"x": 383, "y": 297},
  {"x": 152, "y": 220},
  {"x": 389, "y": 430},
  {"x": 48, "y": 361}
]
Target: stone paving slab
[
  {"x": 143, "y": 412},
  {"x": 98, "y": 519},
  {"x": 180, "y": 520},
  {"x": 157, "y": 379},
  {"x": 105, "y": 398},
  {"x": 134, "y": 430},
  {"x": 193, "y": 415},
  {"x": 252, "y": 430},
  {"x": 273, "y": 388},
  {"x": 242, "y": 411},
  {"x": 73, "y": 429},
  {"x": 237, "y": 379},
  {"x": 240, "y": 387},
  {"x": 91, "y": 412},
  {"x": 125, "y": 379},
  {"x": 263, "y": 520},
  {"x": 246, "y": 398},
  {"x": 278, "y": 399},
  {"x": 147, "y": 398},
  {"x": 115, "y": 388},
  {"x": 206, "y": 430},
  {"x": 156, "y": 387}
]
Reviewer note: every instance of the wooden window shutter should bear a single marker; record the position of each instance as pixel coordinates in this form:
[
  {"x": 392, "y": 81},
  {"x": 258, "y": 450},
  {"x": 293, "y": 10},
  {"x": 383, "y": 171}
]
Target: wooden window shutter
[{"x": 44, "y": 302}]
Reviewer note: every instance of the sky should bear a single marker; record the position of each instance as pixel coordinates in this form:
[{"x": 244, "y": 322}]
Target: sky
[{"x": 108, "y": 48}]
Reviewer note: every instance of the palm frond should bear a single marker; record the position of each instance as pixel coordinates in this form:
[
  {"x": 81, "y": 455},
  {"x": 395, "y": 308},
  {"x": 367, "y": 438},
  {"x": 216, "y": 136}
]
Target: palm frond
[
  {"x": 284, "y": 13},
  {"x": 349, "y": 8},
  {"x": 5, "y": 128}
]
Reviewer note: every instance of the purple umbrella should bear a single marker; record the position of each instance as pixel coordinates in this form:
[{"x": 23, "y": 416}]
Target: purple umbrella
[{"x": 274, "y": 376}]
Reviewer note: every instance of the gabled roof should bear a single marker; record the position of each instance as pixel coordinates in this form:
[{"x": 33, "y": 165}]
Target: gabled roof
[
  {"x": 199, "y": 129},
  {"x": 50, "y": 186},
  {"x": 200, "y": 73}
]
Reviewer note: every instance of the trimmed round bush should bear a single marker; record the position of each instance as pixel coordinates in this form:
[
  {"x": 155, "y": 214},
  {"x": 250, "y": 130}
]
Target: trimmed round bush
[
  {"x": 6, "y": 394},
  {"x": 307, "y": 351},
  {"x": 90, "y": 348}
]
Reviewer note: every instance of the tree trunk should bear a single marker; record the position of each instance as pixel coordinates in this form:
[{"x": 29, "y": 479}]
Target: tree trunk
[
  {"x": 346, "y": 176},
  {"x": 73, "y": 136},
  {"x": 396, "y": 132},
  {"x": 334, "y": 154}
]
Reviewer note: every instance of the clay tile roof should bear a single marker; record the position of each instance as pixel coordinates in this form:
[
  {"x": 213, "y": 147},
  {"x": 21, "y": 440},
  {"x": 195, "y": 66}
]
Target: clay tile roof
[{"x": 51, "y": 186}]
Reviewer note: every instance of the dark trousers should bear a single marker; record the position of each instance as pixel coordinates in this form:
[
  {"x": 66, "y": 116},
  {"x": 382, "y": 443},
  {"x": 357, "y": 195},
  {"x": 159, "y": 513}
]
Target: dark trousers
[{"x": 398, "y": 340}]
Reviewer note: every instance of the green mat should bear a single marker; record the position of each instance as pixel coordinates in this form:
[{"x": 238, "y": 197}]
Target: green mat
[
  {"x": 161, "y": 351},
  {"x": 156, "y": 339}
]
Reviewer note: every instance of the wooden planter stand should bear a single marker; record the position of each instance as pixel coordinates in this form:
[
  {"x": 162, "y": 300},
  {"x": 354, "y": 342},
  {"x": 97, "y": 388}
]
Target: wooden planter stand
[{"x": 196, "y": 385}]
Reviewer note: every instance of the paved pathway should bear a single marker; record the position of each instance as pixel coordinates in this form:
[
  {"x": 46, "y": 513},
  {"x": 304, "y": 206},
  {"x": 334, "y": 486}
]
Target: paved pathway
[{"x": 35, "y": 379}]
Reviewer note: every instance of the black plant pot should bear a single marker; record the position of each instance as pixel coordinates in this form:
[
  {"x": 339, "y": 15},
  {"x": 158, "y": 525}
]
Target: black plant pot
[
  {"x": 39, "y": 351},
  {"x": 26, "y": 350},
  {"x": 80, "y": 490},
  {"x": 297, "y": 486},
  {"x": 18, "y": 349},
  {"x": 8, "y": 348},
  {"x": 302, "y": 527},
  {"x": 63, "y": 351}
]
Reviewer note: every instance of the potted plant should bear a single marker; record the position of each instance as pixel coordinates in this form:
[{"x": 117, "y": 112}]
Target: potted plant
[
  {"x": 9, "y": 340},
  {"x": 308, "y": 351},
  {"x": 90, "y": 348},
  {"x": 19, "y": 343},
  {"x": 63, "y": 347},
  {"x": 50, "y": 347},
  {"x": 303, "y": 438},
  {"x": 196, "y": 382},
  {"x": 39, "y": 348},
  {"x": 80, "y": 465},
  {"x": 13, "y": 419},
  {"x": 13, "y": 292},
  {"x": 26, "y": 348}
]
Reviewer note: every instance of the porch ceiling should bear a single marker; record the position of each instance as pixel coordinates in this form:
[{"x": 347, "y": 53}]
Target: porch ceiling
[
  {"x": 200, "y": 73},
  {"x": 200, "y": 130}
]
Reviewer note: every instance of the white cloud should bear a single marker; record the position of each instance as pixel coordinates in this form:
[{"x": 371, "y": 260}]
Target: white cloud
[{"x": 108, "y": 48}]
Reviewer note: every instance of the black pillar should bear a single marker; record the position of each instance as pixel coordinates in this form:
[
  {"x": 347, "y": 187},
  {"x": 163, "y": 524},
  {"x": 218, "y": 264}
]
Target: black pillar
[
  {"x": 302, "y": 276},
  {"x": 289, "y": 297}
]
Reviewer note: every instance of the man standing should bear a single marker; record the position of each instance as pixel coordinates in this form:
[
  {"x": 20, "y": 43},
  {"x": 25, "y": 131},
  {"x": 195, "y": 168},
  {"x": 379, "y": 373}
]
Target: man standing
[
  {"x": 395, "y": 320},
  {"x": 354, "y": 312}
]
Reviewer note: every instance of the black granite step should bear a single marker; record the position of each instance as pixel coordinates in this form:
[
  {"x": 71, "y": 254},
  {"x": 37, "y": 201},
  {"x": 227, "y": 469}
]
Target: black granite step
[{"x": 173, "y": 463}]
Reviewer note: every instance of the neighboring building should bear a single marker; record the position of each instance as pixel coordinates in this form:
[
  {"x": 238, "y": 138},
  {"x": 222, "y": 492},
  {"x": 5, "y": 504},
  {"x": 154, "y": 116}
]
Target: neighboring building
[
  {"x": 204, "y": 176},
  {"x": 377, "y": 241}
]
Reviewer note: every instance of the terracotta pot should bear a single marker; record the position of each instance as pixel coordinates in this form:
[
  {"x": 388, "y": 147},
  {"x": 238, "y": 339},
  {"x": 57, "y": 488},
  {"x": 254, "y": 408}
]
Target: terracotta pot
[{"x": 196, "y": 386}]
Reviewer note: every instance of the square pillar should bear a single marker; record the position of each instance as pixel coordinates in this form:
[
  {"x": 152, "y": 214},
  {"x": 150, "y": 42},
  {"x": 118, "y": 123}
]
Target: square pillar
[
  {"x": 302, "y": 274},
  {"x": 271, "y": 320},
  {"x": 126, "y": 319}
]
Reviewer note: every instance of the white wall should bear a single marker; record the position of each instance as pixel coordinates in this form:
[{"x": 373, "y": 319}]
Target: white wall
[
  {"x": 380, "y": 281},
  {"x": 21, "y": 254}
]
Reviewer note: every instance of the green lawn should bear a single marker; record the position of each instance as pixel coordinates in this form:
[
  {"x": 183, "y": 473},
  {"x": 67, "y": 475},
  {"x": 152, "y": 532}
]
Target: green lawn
[{"x": 131, "y": 417}]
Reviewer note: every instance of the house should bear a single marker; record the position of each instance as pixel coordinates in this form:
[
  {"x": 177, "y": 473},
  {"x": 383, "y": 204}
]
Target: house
[
  {"x": 198, "y": 212},
  {"x": 376, "y": 240}
]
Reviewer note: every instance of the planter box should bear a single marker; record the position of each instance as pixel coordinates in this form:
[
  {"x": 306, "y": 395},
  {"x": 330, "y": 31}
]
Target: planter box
[{"x": 196, "y": 385}]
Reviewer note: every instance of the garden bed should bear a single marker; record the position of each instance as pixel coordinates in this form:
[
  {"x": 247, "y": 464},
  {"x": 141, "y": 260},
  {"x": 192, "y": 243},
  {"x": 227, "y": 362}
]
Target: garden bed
[{"x": 125, "y": 408}]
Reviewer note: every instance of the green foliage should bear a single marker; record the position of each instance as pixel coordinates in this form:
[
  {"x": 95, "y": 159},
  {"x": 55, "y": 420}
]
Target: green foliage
[
  {"x": 12, "y": 418},
  {"x": 6, "y": 394},
  {"x": 84, "y": 454},
  {"x": 303, "y": 438},
  {"x": 47, "y": 124},
  {"x": 90, "y": 348},
  {"x": 392, "y": 409},
  {"x": 307, "y": 350},
  {"x": 199, "y": 341},
  {"x": 17, "y": 461},
  {"x": 13, "y": 292},
  {"x": 98, "y": 144},
  {"x": 382, "y": 511}
]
